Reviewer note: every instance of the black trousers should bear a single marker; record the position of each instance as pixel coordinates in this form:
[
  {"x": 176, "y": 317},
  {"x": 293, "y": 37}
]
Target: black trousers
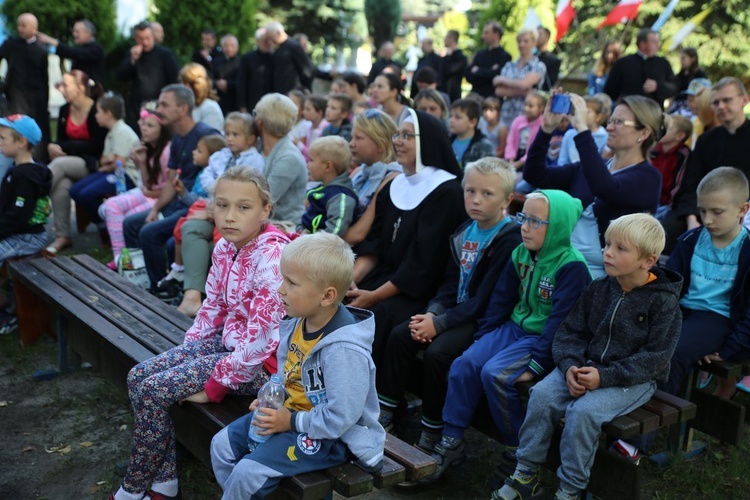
[{"x": 399, "y": 361}]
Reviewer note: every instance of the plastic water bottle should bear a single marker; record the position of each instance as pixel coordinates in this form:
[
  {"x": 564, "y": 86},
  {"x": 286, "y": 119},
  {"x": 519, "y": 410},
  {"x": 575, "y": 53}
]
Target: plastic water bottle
[
  {"x": 120, "y": 185},
  {"x": 271, "y": 395}
]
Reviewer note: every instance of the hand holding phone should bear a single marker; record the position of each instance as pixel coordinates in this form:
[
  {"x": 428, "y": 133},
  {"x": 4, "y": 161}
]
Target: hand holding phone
[{"x": 561, "y": 104}]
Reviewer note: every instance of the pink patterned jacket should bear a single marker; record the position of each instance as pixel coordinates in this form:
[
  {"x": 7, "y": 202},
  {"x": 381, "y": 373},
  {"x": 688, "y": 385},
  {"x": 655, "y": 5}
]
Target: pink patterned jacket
[{"x": 241, "y": 297}]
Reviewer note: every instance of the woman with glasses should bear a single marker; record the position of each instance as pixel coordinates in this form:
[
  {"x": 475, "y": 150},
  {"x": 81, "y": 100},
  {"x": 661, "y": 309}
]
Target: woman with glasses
[
  {"x": 401, "y": 262},
  {"x": 627, "y": 183}
]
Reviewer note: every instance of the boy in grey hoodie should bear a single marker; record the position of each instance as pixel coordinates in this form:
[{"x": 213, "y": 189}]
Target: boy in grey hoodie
[
  {"x": 331, "y": 413},
  {"x": 614, "y": 345}
]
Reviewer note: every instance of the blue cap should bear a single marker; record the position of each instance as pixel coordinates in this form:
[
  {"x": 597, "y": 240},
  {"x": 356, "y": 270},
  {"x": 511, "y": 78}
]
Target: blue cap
[
  {"x": 24, "y": 125},
  {"x": 697, "y": 84}
]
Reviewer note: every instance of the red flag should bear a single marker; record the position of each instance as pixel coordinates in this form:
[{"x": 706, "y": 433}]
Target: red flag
[
  {"x": 625, "y": 10},
  {"x": 563, "y": 17}
]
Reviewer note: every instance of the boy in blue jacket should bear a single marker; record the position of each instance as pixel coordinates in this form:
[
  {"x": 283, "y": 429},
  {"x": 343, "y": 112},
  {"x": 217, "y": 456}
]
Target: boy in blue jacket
[
  {"x": 610, "y": 351},
  {"x": 481, "y": 248},
  {"x": 331, "y": 412},
  {"x": 533, "y": 295},
  {"x": 715, "y": 262}
]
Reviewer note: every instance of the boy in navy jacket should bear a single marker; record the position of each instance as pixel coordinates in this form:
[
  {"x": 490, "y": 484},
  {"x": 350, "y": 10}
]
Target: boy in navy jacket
[
  {"x": 714, "y": 259},
  {"x": 481, "y": 248}
]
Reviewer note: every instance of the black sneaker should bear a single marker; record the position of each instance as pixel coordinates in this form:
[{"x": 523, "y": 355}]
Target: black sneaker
[{"x": 168, "y": 289}]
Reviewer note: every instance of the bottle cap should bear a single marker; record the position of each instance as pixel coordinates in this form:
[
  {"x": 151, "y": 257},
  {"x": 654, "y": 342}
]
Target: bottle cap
[{"x": 276, "y": 378}]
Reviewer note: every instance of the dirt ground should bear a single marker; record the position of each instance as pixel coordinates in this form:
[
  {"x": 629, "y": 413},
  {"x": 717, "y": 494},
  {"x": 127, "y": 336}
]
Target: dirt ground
[{"x": 61, "y": 439}]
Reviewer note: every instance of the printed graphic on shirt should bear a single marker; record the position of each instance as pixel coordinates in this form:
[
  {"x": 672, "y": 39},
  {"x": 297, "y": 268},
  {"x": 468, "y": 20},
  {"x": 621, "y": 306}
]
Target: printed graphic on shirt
[
  {"x": 20, "y": 202},
  {"x": 546, "y": 287},
  {"x": 41, "y": 211}
]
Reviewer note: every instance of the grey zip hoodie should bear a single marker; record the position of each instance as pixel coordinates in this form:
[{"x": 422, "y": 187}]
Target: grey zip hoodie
[{"x": 339, "y": 379}]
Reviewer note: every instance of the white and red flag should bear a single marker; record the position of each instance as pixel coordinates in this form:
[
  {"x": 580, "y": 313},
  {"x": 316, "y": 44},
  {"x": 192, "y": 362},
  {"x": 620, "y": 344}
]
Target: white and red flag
[
  {"x": 624, "y": 11},
  {"x": 563, "y": 17}
]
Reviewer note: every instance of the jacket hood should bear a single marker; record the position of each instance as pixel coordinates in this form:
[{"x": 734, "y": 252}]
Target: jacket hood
[
  {"x": 36, "y": 173},
  {"x": 564, "y": 212},
  {"x": 343, "y": 180}
]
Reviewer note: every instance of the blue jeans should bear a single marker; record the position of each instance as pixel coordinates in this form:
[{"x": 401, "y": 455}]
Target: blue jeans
[
  {"x": 154, "y": 238},
  {"x": 584, "y": 416},
  {"x": 490, "y": 366},
  {"x": 91, "y": 191},
  {"x": 18, "y": 245}
]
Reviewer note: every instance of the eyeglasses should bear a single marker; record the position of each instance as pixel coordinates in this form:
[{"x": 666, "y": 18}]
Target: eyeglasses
[
  {"x": 619, "y": 122},
  {"x": 404, "y": 136},
  {"x": 534, "y": 223},
  {"x": 724, "y": 100}
]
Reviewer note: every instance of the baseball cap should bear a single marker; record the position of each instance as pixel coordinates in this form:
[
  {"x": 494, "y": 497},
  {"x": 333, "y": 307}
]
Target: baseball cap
[
  {"x": 24, "y": 125},
  {"x": 697, "y": 84}
]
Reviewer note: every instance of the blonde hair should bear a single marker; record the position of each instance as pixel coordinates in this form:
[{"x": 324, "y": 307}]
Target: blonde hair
[
  {"x": 602, "y": 105},
  {"x": 278, "y": 112},
  {"x": 194, "y": 75},
  {"x": 682, "y": 124},
  {"x": 379, "y": 127},
  {"x": 249, "y": 174},
  {"x": 244, "y": 121},
  {"x": 334, "y": 149},
  {"x": 705, "y": 110},
  {"x": 328, "y": 260},
  {"x": 726, "y": 178},
  {"x": 540, "y": 97},
  {"x": 648, "y": 115},
  {"x": 640, "y": 230},
  {"x": 534, "y": 34},
  {"x": 537, "y": 195},
  {"x": 490, "y": 165}
]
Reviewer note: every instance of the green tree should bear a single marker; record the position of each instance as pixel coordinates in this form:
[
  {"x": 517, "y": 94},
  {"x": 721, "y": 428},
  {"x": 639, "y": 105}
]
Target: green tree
[
  {"x": 383, "y": 17},
  {"x": 56, "y": 18},
  {"x": 183, "y": 21}
]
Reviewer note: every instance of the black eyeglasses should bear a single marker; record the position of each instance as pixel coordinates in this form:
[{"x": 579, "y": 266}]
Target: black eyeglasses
[
  {"x": 404, "y": 136},
  {"x": 534, "y": 223}
]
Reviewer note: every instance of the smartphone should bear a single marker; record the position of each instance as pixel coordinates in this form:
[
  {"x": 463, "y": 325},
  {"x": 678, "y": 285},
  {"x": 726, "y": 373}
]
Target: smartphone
[{"x": 561, "y": 104}]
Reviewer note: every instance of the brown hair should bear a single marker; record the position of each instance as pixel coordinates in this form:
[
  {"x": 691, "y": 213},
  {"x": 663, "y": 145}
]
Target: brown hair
[{"x": 602, "y": 65}]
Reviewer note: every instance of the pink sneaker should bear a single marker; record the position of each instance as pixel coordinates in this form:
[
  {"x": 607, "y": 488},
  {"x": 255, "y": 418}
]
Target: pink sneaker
[{"x": 111, "y": 264}]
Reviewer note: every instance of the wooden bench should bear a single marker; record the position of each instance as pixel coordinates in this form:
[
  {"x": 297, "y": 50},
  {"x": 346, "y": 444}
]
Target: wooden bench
[
  {"x": 612, "y": 476},
  {"x": 101, "y": 318},
  {"x": 720, "y": 418}
]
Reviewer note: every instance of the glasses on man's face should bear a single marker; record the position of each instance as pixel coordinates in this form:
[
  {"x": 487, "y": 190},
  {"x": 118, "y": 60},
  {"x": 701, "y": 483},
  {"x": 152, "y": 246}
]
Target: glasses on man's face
[
  {"x": 534, "y": 223},
  {"x": 619, "y": 122},
  {"x": 403, "y": 136},
  {"x": 723, "y": 100}
]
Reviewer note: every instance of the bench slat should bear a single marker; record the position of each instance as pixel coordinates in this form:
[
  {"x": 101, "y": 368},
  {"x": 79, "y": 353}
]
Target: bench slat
[
  {"x": 171, "y": 314},
  {"x": 416, "y": 463},
  {"x": 686, "y": 408},
  {"x": 649, "y": 421},
  {"x": 668, "y": 414},
  {"x": 349, "y": 480},
  {"x": 142, "y": 315},
  {"x": 622, "y": 427},
  {"x": 718, "y": 417},
  {"x": 391, "y": 473},
  {"x": 105, "y": 307},
  {"x": 723, "y": 369},
  {"x": 307, "y": 486}
]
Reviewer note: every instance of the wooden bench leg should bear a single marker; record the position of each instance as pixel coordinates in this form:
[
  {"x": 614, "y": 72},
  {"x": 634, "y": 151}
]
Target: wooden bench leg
[{"x": 33, "y": 314}]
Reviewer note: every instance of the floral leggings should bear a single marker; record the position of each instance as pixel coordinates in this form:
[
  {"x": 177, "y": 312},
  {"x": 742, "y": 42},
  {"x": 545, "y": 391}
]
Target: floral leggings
[{"x": 154, "y": 386}]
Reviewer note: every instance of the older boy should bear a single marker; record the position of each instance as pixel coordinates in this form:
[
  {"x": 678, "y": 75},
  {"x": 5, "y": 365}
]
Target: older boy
[
  {"x": 332, "y": 409},
  {"x": 331, "y": 207},
  {"x": 715, "y": 261},
  {"x": 612, "y": 347},
  {"x": 534, "y": 293},
  {"x": 481, "y": 248}
]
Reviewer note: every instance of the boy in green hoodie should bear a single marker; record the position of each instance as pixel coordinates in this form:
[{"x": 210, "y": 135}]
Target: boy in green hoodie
[{"x": 513, "y": 344}]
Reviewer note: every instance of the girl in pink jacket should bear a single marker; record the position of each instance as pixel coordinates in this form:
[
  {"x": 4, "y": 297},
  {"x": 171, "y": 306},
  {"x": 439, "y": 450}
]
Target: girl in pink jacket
[{"x": 232, "y": 343}]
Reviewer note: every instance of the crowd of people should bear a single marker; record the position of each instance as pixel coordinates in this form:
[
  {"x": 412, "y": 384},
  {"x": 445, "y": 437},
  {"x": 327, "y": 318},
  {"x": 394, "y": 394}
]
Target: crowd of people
[{"x": 332, "y": 238}]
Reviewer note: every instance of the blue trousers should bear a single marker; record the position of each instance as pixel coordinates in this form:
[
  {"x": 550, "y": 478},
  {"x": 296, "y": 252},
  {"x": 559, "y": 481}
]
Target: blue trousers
[
  {"x": 243, "y": 474},
  {"x": 490, "y": 366},
  {"x": 584, "y": 416},
  {"x": 154, "y": 238},
  {"x": 91, "y": 191},
  {"x": 703, "y": 332}
]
